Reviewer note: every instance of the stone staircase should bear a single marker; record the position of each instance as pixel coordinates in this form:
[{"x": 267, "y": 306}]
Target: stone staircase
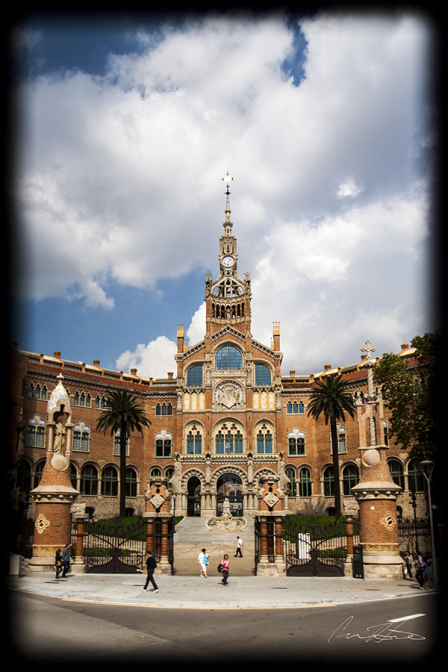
[
  {"x": 192, "y": 535},
  {"x": 194, "y": 532}
]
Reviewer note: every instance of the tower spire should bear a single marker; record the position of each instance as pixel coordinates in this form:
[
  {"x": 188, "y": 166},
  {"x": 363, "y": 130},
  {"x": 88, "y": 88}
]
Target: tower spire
[{"x": 227, "y": 179}]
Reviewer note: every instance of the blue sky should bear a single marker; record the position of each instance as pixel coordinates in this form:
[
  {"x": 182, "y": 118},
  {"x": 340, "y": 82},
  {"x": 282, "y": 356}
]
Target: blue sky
[{"x": 126, "y": 128}]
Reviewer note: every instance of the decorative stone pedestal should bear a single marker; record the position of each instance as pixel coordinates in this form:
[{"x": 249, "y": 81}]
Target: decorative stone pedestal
[
  {"x": 226, "y": 522},
  {"x": 376, "y": 493},
  {"x": 55, "y": 494},
  {"x": 270, "y": 538},
  {"x": 159, "y": 519}
]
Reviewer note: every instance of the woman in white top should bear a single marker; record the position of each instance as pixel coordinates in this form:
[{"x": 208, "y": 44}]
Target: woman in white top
[{"x": 203, "y": 561}]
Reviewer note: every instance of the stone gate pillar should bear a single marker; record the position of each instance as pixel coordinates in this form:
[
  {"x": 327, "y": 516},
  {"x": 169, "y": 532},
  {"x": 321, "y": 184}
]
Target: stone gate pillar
[
  {"x": 158, "y": 516},
  {"x": 271, "y": 512},
  {"x": 376, "y": 493},
  {"x": 55, "y": 494}
]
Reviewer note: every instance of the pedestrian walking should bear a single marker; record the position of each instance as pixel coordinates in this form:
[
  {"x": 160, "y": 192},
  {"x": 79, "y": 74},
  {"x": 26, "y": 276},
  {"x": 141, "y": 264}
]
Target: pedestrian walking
[
  {"x": 225, "y": 569},
  {"x": 239, "y": 546},
  {"x": 203, "y": 561},
  {"x": 408, "y": 562},
  {"x": 426, "y": 575},
  {"x": 59, "y": 563},
  {"x": 150, "y": 567},
  {"x": 66, "y": 560},
  {"x": 420, "y": 575}
]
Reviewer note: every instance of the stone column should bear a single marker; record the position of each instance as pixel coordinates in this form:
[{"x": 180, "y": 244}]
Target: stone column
[
  {"x": 55, "y": 495},
  {"x": 270, "y": 508},
  {"x": 158, "y": 513},
  {"x": 376, "y": 493}
]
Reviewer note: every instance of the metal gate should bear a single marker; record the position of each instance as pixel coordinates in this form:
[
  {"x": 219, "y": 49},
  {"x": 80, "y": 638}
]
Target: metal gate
[
  {"x": 316, "y": 548},
  {"x": 114, "y": 546},
  {"x": 118, "y": 545}
]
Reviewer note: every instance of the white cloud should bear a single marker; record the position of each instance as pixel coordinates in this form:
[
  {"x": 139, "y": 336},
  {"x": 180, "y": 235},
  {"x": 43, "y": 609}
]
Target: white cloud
[
  {"x": 348, "y": 188},
  {"x": 120, "y": 176},
  {"x": 156, "y": 359},
  {"x": 196, "y": 331}
]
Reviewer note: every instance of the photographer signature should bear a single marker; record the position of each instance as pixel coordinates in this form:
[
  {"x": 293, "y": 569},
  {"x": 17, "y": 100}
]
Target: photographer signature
[{"x": 380, "y": 632}]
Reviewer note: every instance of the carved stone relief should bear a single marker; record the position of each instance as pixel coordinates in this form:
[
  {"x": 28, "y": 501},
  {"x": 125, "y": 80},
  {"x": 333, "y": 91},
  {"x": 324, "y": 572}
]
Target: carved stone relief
[{"x": 228, "y": 395}]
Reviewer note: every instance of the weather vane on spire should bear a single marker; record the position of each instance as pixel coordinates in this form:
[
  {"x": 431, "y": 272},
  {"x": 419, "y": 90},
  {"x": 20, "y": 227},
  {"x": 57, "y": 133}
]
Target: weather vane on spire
[{"x": 227, "y": 179}]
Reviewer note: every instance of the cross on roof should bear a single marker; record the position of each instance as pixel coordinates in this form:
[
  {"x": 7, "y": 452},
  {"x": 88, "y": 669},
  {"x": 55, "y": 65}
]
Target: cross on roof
[{"x": 370, "y": 348}]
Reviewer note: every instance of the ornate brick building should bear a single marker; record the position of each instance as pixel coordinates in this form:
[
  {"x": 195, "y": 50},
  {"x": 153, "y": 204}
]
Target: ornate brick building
[{"x": 228, "y": 419}]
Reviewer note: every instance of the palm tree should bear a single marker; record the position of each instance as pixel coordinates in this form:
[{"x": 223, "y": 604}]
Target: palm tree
[
  {"x": 124, "y": 414},
  {"x": 332, "y": 399}
]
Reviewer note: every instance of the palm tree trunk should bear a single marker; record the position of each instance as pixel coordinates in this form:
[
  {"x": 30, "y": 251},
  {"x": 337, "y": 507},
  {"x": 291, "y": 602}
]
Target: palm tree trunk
[
  {"x": 334, "y": 445},
  {"x": 123, "y": 441}
]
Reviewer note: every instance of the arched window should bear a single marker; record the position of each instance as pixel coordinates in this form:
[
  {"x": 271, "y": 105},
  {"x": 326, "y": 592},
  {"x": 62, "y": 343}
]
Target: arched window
[
  {"x": 194, "y": 376},
  {"x": 23, "y": 478},
  {"x": 396, "y": 472},
  {"x": 81, "y": 437},
  {"x": 296, "y": 443},
  {"x": 291, "y": 474},
  {"x": 73, "y": 476},
  {"x": 264, "y": 440},
  {"x": 109, "y": 482},
  {"x": 342, "y": 445},
  {"x": 89, "y": 480},
  {"x": 35, "y": 432},
  {"x": 156, "y": 473},
  {"x": 163, "y": 444},
  {"x": 305, "y": 485},
  {"x": 415, "y": 476},
  {"x": 262, "y": 375},
  {"x": 38, "y": 473},
  {"x": 228, "y": 440},
  {"x": 194, "y": 441},
  {"x": 350, "y": 478},
  {"x": 131, "y": 482},
  {"x": 329, "y": 482},
  {"x": 228, "y": 357},
  {"x": 164, "y": 409},
  {"x": 117, "y": 443}
]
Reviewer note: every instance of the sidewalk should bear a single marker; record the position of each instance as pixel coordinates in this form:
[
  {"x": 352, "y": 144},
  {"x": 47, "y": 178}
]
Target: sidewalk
[{"x": 193, "y": 592}]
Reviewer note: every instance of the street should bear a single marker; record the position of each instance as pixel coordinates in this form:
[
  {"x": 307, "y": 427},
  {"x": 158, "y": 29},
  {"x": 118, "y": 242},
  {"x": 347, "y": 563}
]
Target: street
[{"x": 51, "y": 630}]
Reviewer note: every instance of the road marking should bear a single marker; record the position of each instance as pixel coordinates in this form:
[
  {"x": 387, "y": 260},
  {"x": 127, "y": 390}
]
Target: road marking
[{"x": 404, "y": 618}]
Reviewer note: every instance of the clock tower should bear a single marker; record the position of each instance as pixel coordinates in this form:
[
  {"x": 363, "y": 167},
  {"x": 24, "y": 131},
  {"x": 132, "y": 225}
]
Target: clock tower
[{"x": 228, "y": 298}]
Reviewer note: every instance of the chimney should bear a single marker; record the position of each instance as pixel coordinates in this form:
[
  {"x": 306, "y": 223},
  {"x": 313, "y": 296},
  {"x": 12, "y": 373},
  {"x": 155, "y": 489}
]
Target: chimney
[
  {"x": 96, "y": 362},
  {"x": 180, "y": 338},
  {"x": 170, "y": 375},
  {"x": 57, "y": 354}
]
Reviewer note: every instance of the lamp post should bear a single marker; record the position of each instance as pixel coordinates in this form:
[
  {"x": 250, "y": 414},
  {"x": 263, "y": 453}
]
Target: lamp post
[{"x": 427, "y": 467}]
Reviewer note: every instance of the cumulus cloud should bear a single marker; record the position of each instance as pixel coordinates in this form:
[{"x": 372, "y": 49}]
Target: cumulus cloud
[
  {"x": 156, "y": 359},
  {"x": 121, "y": 174}
]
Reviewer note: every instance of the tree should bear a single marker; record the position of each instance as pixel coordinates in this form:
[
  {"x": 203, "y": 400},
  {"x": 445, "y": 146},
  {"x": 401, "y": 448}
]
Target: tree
[
  {"x": 411, "y": 395},
  {"x": 124, "y": 414},
  {"x": 332, "y": 399}
]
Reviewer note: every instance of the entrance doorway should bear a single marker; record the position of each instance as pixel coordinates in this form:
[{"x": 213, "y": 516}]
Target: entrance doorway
[
  {"x": 230, "y": 486},
  {"x": 194, "y": 497}
]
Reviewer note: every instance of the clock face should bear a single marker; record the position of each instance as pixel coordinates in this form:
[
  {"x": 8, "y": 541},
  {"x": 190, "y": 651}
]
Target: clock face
[{"x": 227, "y": 262}]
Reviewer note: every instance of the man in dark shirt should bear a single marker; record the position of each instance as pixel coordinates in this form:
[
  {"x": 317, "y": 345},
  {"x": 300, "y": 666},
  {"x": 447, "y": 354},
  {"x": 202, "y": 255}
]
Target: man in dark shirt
[
  {"x": 150, "y": 566},
  {"x": 66, "y": 560}
]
